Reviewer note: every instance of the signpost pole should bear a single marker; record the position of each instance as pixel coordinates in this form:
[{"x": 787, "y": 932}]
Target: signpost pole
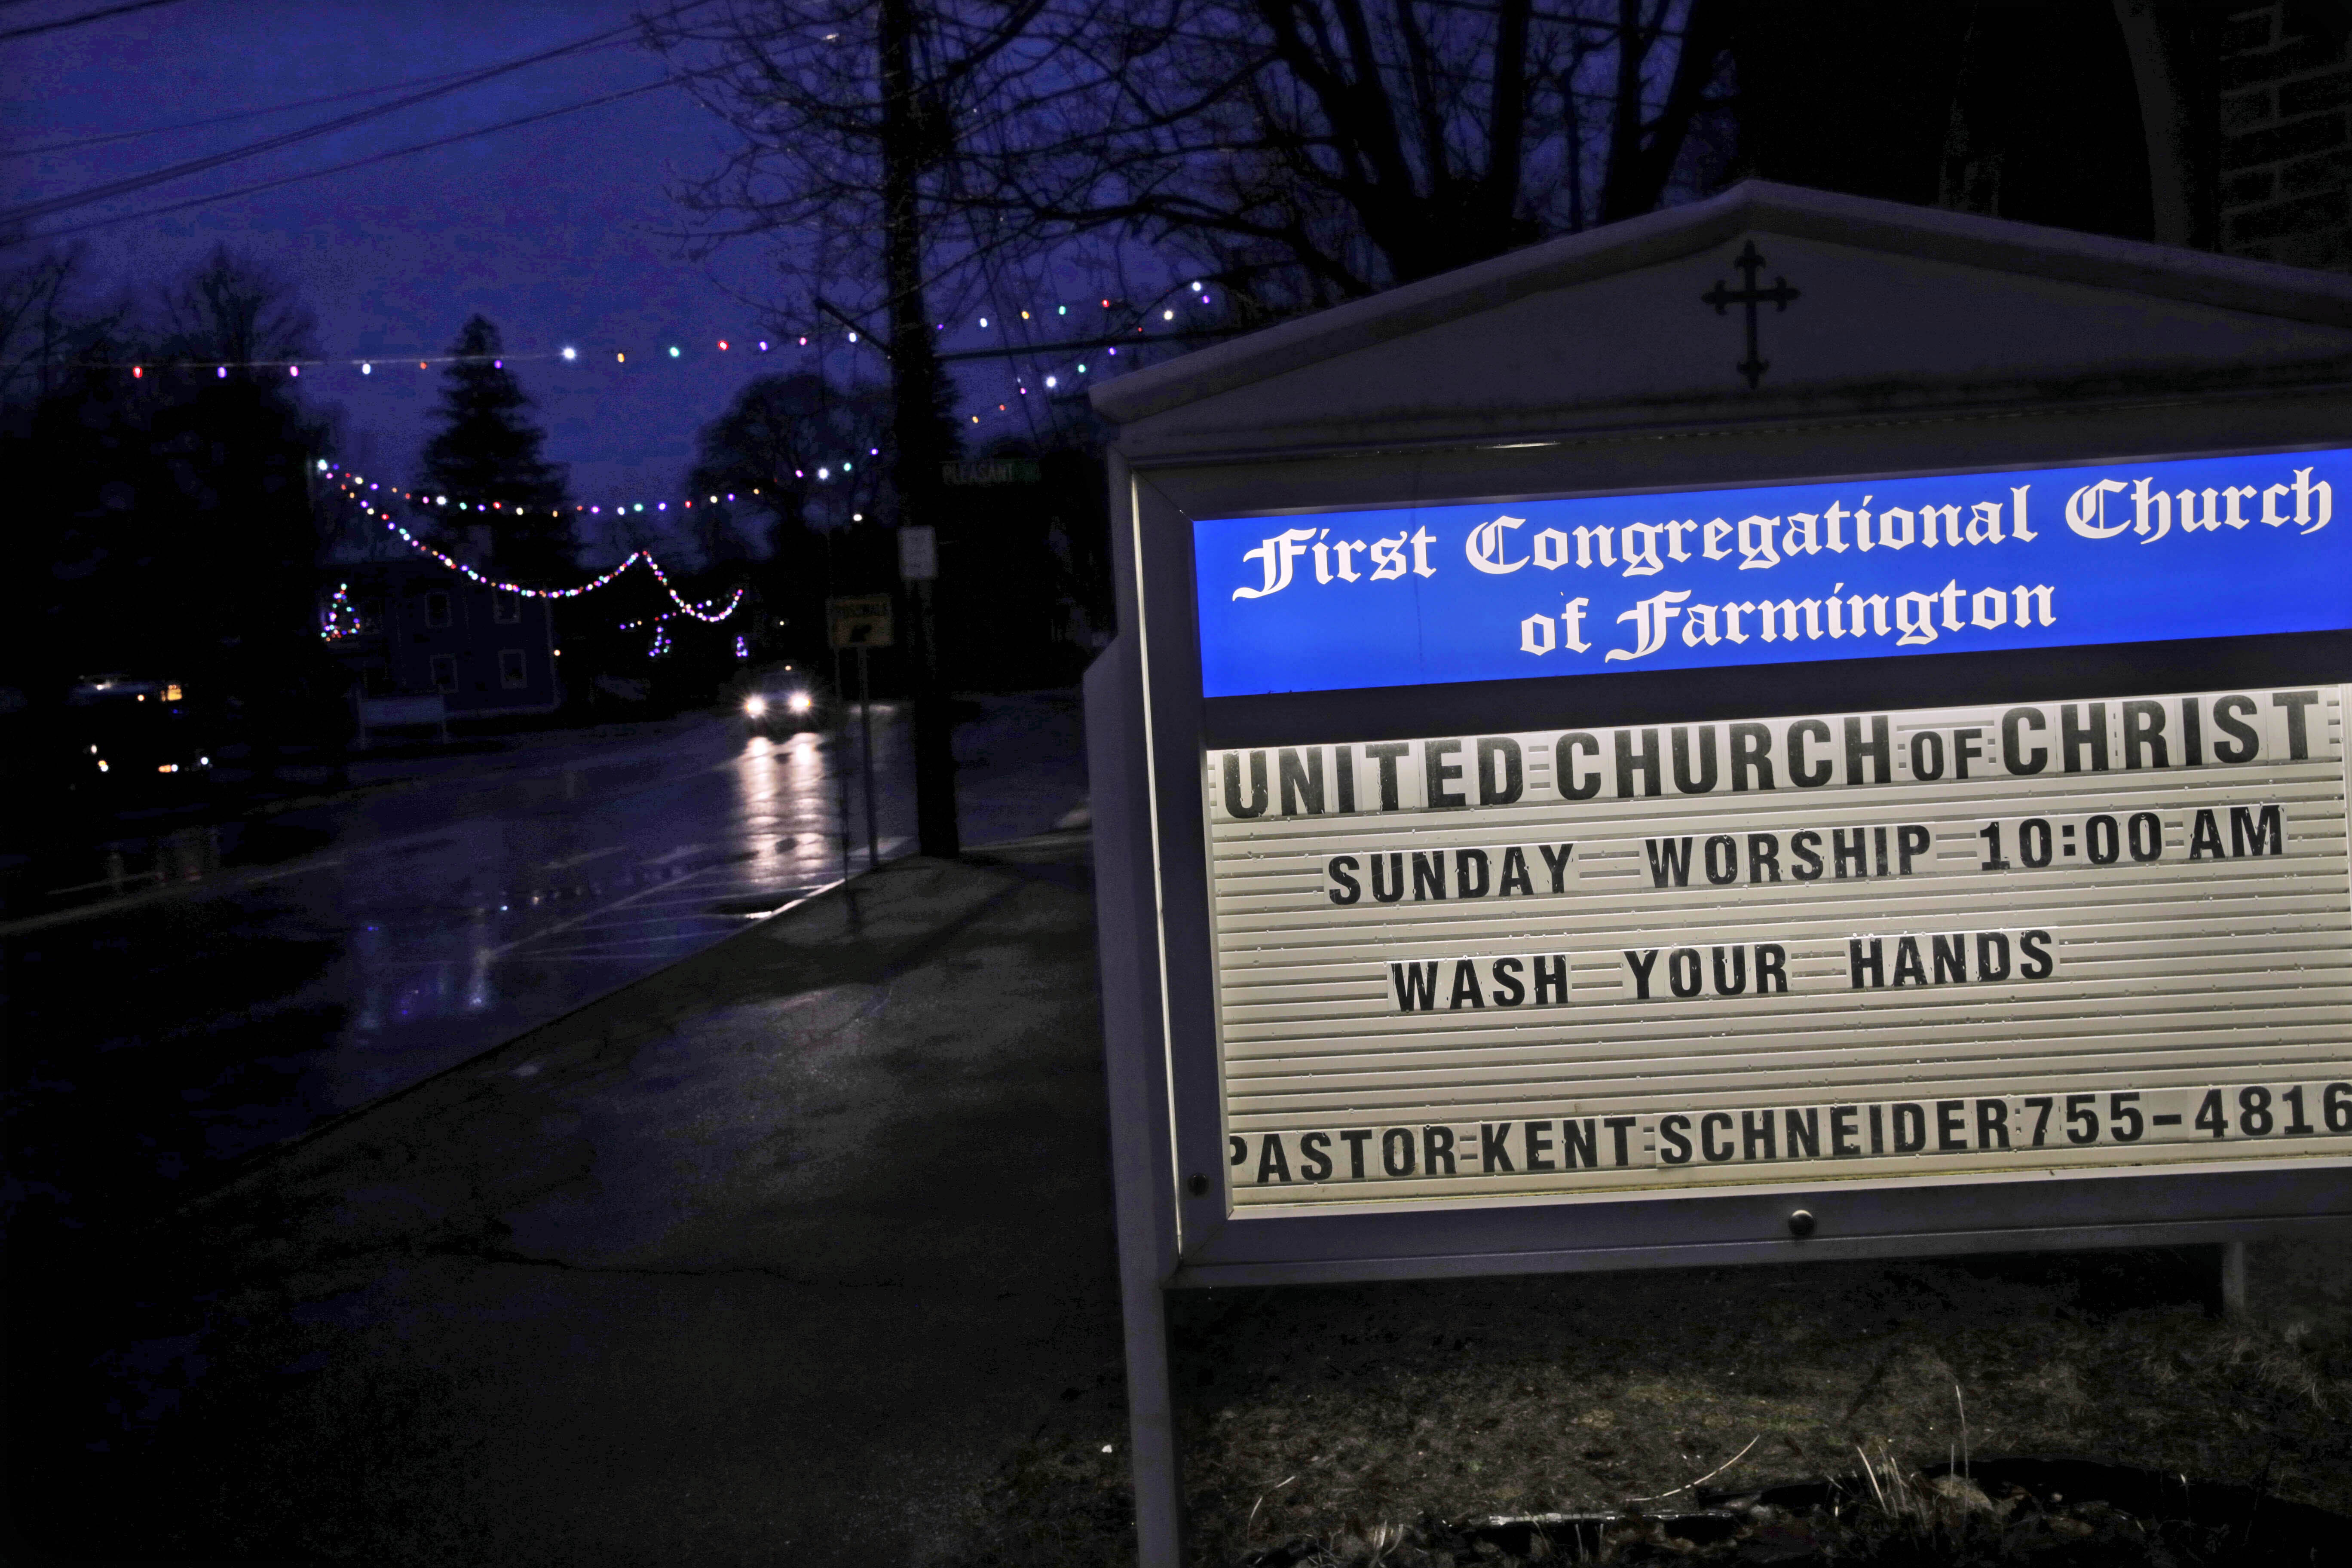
[
  {"x": 1142, "y": 1176},
  {"x": 2234, "y": 1280},
  {"x": 861, "y": 623},
  {"x": 841, "y": 761},
  {"x": 935, "y": 801},
  {"x": 866, "y": 756}
]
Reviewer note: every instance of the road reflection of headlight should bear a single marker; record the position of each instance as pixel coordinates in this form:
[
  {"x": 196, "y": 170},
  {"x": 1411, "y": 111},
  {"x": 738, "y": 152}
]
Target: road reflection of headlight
[
  {"x": 755, "y": 706},
  {"x": 801, "y": 702}
]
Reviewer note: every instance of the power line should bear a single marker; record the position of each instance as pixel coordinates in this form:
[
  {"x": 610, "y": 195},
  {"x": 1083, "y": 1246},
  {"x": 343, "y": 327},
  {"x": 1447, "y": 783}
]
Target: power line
[
  {"x": 79, "y": 142},
  {"x": 83, "y": 20},
  {"x": 353, "y": 163},
  {"x": 137, "y": 183}
]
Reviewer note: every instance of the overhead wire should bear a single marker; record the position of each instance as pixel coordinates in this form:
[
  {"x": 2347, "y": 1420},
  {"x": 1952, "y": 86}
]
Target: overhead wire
[
  {"x": 83, "y": 20},
  {"x": 130, "y": 184},
  {"x": 385, "y": 156},
  {"x": 78, "y": 143}
]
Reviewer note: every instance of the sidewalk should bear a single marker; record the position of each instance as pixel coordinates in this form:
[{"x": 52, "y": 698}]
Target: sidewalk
[{"x": 774, "y": 1257}]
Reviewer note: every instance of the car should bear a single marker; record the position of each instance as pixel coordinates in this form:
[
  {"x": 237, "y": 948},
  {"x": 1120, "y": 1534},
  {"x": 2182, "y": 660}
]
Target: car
[
  {"x": 781, "y": 700},
  {"x": 132, "y": 738}
]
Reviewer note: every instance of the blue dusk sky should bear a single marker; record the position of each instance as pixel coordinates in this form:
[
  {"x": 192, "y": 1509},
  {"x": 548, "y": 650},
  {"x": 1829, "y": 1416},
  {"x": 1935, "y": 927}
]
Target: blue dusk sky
[{"x": 557, "y": 231}]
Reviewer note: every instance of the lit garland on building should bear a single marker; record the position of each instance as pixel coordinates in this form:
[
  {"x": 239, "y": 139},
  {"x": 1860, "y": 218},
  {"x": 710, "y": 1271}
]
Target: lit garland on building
[{"x": 342, "y": 619}]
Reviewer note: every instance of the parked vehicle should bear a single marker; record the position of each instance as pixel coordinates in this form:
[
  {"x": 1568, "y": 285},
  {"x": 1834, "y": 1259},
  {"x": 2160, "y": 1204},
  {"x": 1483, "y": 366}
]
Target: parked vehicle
[{"x": 134, "y": 739}]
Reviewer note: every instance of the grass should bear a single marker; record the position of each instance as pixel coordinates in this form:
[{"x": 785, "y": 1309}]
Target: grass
[{"x": 1355, "y": 1419}]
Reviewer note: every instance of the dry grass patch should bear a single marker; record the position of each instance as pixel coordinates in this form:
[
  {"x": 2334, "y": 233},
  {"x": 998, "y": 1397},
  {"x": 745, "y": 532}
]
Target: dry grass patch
[{"x": 1335, "y": 1414}]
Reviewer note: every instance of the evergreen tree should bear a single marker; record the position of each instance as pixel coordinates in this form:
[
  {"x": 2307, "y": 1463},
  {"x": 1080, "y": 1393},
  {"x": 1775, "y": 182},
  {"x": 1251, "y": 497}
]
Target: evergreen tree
[{"x": 487, "y": 454}]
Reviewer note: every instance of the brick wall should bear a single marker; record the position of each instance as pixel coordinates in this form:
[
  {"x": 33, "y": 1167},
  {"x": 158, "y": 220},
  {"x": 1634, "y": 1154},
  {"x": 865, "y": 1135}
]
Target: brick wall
[{"x": 2285, "y": 77}]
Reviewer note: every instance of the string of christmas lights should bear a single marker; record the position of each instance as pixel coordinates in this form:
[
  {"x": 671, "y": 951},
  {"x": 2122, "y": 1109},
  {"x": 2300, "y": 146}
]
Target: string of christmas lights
[
  {"x": 1194, "y": 293},
  {"x": 349, "y": 483},
  {"x": 707, "y": 610},
  {"x": 342, "y": 619}
]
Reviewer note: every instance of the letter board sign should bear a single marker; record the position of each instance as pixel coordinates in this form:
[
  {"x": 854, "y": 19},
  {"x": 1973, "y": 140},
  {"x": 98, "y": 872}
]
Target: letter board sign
[
  {"x": 1890, "y": 947},
  {"x": 1564, "y": 799}
]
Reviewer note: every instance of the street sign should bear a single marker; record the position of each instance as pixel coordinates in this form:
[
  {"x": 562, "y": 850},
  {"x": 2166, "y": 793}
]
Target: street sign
[
  {"x": 919, "y": 552},
  {"x": 860, "y": 622},
  {"x": 991, "y": 472},
  {"x": 1564, "y": 802}
]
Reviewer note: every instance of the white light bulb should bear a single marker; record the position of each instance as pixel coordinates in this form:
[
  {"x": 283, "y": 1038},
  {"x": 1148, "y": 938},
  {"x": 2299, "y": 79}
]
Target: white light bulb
[
  {"x": 1051, "y": 382},
  {"x": 367, "y": 370},
  {"x": 571, "y": 353},
  {"x": 1167, "y": 315}
]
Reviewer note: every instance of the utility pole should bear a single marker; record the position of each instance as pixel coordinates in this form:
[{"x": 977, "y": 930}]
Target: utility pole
[{"x": 911, "y": 132}]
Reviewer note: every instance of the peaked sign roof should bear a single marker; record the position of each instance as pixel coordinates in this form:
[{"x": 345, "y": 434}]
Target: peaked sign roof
[{"x": 1856, "y": 305}]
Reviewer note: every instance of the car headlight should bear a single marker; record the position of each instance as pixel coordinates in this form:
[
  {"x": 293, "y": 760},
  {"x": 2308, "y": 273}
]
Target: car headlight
[
  {"x": 755, "y": 706},
  {"x": 801, "y": 702}
]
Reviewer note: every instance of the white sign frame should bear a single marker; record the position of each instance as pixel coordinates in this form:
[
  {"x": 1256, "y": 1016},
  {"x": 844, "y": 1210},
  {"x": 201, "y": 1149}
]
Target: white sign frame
[{"x": 1561, "y": 373}]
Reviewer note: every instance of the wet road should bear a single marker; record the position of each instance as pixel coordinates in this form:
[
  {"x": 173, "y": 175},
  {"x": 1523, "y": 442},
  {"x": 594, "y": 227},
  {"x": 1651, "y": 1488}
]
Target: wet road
[{"x": 179, "y": 1001}]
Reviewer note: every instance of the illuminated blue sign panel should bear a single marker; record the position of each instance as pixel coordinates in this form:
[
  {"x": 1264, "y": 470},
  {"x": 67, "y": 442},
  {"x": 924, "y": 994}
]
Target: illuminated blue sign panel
[{"x": 2139, "y": 552}]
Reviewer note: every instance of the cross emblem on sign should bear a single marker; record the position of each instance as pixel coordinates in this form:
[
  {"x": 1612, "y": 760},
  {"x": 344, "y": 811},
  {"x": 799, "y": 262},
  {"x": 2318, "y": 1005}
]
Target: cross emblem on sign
[{"x": 1750, "y": 262}]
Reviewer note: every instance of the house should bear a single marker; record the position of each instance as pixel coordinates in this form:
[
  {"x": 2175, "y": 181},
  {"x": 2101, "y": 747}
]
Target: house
[{"x": 414, "y": 628}]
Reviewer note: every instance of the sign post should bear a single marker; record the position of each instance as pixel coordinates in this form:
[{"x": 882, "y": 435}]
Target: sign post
[
  {"x": 935, "y": 785},
  {"x": 861, "y": 624},
  {"x": 1565, "y": 802}
]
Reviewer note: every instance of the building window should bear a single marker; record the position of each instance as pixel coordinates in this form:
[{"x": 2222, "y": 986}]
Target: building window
[
  {"x": 436, "y": 609},
  {"x": 511, "y": 668},
  {"x": 445, "y": 672},
  {"x": 505, "y": 609}
]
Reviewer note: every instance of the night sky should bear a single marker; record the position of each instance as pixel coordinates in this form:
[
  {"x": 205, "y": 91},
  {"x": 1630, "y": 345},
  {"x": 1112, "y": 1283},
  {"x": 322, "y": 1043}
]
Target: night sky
[{"x": 553, "y": 230}]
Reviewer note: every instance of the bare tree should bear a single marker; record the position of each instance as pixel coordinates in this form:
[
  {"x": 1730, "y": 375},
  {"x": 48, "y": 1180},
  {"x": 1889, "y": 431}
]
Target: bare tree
[
  {"x": 1324, "y": 149},
  {"x": 231, "y": 310},
  {"x": 1302, "y": 150},
  {"x": 44, "y": 325},
  {"x": 798, "y": 451}
]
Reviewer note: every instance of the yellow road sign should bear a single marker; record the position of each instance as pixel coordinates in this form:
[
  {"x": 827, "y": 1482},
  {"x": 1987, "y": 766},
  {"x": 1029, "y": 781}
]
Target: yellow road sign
[{"x": 862, "y": 622}]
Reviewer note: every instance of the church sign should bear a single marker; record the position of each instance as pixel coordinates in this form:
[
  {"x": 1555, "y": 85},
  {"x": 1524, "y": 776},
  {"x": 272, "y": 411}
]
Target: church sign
[
  {"x": 1564, "y": 799},
  {"x": 1890, "y": 946},
  {"x": 2050, "y": 558}
]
